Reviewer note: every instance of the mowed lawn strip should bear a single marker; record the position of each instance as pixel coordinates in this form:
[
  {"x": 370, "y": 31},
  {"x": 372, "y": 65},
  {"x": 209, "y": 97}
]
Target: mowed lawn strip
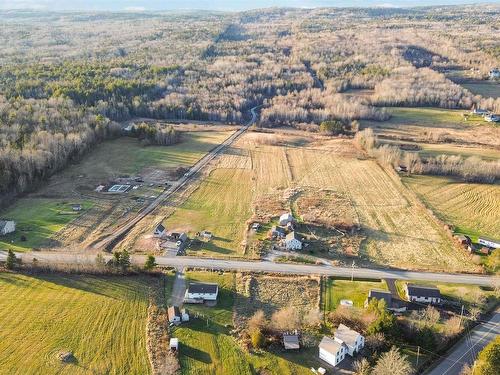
[
  {"x": 101, "y": 320},
  {"x": 356, "y": 291},
  {"x": 37, "y": 219}
]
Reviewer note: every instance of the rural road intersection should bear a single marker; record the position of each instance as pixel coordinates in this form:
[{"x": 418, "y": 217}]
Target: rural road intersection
[{"x": 53, "y": 257}]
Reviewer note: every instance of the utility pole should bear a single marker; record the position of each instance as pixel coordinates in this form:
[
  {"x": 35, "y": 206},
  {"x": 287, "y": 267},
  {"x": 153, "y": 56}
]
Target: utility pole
[
  {"x": 461, "y": 316},
  {"x": 352, "y": 272},
  {"x": 418, "y": 355}
]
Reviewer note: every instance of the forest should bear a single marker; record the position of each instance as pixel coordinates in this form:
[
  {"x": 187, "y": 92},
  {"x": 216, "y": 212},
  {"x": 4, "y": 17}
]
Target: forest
[{"x": 67, "y": 80}]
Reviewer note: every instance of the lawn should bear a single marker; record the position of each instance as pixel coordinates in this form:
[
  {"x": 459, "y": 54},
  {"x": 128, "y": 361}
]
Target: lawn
[
  {"x": 463, "y": 293},
  {"x": 488, "y": 89},
  {"x": 221, "y": 205},
  {"x": 471, "y": 208},
  {"x": 101, "y": 320},
  {"x": 38, "y": 219},
  {"x": 356, "y": 291}
]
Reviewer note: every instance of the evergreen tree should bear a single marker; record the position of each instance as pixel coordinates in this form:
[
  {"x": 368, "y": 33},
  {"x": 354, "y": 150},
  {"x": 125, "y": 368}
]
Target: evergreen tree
[
  {"x": 150, "y": 263},
  {"x": 11, "y": 260}
]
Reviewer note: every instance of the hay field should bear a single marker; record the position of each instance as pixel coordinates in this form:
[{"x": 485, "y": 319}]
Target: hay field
[
  {"x": 102, "y": 320},
  {"x": 472, "y": 208},
  {"x": 400, "y": 233},
  {"x": 488, "y": 89},
  {"x": 436, "y": 125}
]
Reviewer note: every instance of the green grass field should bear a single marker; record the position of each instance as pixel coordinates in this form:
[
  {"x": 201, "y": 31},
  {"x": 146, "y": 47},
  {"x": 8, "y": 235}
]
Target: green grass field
[
  {"x": 101, "y": 320},
  {"x": 126, "y": 156},
  {"x": 471, "y": 208},
  {"x": 222, "y": 205},
  {"x": 356, "y": 291},
  {"x": 488, "y": 89},
  {"x": 37, "y": 219}
]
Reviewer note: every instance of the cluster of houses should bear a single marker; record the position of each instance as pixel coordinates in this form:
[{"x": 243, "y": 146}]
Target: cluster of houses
[
  {"x": 286, "y": 234},
  {"x": 487, "y": 115}
]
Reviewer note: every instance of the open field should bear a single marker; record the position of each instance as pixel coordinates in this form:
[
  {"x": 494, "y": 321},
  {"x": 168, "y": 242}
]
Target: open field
[
  {"x": 488, "y": 89},
  {"x": 472, "y": 208},
  {"x": 356, "y": 291},
  {"x": 37, "y": 220},
  {"x": 109, "y": 161},
  {"x": 398, "y": 231},
  {"x": 101, "y": 320},
  {"x": 436, "y": 125}
]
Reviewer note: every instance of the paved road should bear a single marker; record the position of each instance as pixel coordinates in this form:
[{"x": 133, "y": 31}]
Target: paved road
[
  {"x": 266, "y": 266},
  {"x": 111, "y": 239},
  {"x": 467, "y": 349}
]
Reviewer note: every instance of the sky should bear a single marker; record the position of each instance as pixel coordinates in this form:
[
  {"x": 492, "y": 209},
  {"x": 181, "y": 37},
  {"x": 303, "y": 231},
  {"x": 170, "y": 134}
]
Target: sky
[{"x": 226, "y": 5}]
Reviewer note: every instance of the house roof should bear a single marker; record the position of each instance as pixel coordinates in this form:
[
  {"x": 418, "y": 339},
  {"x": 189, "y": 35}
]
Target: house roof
[
  {"x": 292, "y": 235},
  {"x": 203, "y": 288},
  {"x": 381, "y": 294},
  {"x": 330, "y": 345},
  {"x": 278, "y": 229},
  {"x": 423, "y": 291},
  {"x": 288, "y": 216},
  {"x": 291, "y": 341},
  {"x": 346, "y": 335},
  {"x": 160, "y": 227},
  {"x": 173, "y": 311},
  {"x": 489, "y": 239},
  {"x": 3, "y": 223},
  {"x": 174, "y": 341}
]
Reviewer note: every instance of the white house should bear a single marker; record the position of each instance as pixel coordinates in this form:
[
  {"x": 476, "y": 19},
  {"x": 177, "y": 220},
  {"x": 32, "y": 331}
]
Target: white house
[
  {"x": 293, "y": 241},
  {"x": 285, "y": 219},
  {"x": 353, "y": 340},
  {"x": 174, "y": 315},
  {"x": 160, "y": 230},
  {"x": 424, "y": 294},
  {"x": 332, "y": 351},
  {"x": 495, "y": 73},
  {"x": 200, "y": 292},
  {"x": 489, "y": 242},
  {"x": 7, "y": 226}
]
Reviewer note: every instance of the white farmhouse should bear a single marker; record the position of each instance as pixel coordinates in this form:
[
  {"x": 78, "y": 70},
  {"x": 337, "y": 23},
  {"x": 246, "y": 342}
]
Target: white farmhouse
[
  {"x": 293, "y": 241},
  {"x": 200, "y": 292},
  {"x": 425, "y": 294},
  {"x": 7, "y": 226},
  {"x": 332, "y": 351},
  {"x": 353, "y": 340},
  {"x": 285, "y": 219}
]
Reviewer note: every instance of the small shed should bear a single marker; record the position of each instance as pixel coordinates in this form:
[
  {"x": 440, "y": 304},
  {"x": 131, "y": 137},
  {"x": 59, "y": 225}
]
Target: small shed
[
  {"x": 76, "y": 207},
  {"x": 291, "y": 342},
  {"x": 159, "y": 230},
  {"x": 206, "y": 235},
  {"x": 184, "y": 315},
  {"x": 174, "y": 315},
  {"x": 174, "y": 344}
]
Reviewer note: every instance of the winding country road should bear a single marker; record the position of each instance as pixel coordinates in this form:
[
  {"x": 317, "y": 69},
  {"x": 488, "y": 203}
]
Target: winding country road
[
  {"x": 266, "y": 266},
  {"x": 111, "y": 239}
]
